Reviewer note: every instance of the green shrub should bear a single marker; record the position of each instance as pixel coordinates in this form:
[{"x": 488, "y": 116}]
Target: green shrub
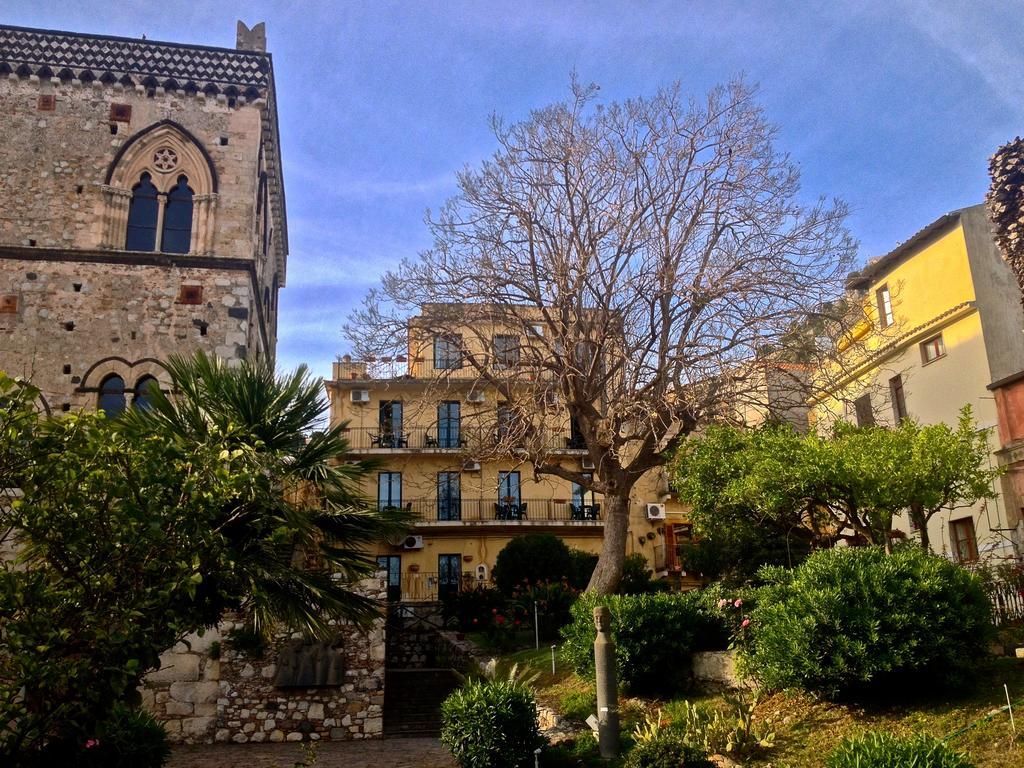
[
  {"x": 531, "y": 558},
  {"x": 129, "y": 738},
  {"x": 654, "y": 635},
  {"x": 636, "y": 577},
  {"x": 665, "y": 750},
  {"x": 554, "y": 600},
  {"x": 884, "y": 750},
  {"x": 491, "y": 724},
  {"x": 860, "y": 621},
  {"x": 579, "y": 705}
]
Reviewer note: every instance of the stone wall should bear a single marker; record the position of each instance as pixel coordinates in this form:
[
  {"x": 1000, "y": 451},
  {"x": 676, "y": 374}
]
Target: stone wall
[{"x": 206, "y": 692}]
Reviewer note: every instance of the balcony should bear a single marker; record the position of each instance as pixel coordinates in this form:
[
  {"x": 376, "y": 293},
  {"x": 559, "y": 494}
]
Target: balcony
[
  {"x": 429, "y": 439},
  {"x": 459, "y": 513}
]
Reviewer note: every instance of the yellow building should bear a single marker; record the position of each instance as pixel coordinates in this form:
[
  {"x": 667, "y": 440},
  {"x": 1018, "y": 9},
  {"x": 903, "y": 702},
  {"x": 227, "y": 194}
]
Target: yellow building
[
  {"x": 945, "y": 322},
  {"x": 448, "y": 452}
]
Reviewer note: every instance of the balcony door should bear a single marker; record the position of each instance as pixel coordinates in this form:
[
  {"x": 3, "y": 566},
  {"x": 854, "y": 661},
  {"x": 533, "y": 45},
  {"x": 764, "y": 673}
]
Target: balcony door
[
  {"x": 390, "y": 423},
  {"x": 389, "y": 490},
  {"x": 449, "y": 575},
  {"x": 448, "y": 422},
  {"x": 449, "y": 496},
  {"x": 393, "y": 565}
]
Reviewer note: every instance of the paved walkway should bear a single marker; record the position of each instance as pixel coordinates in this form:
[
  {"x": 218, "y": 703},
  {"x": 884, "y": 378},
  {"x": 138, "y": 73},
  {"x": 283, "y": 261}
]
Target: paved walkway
[{"x": 390, "y": 753}]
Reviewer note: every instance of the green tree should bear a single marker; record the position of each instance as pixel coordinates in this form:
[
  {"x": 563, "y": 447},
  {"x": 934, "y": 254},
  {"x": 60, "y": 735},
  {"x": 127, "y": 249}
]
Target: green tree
[
  {"x": 849, "y": 484},
  {"x": 133, "y": 533}
]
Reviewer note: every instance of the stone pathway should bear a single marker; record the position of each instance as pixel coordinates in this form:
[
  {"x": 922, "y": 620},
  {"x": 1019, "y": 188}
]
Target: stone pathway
[{"x": 389, "y": 753}]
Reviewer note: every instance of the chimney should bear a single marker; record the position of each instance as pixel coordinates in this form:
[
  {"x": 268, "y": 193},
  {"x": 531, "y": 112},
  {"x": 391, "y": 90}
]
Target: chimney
[{"x": 254, "y": 39}]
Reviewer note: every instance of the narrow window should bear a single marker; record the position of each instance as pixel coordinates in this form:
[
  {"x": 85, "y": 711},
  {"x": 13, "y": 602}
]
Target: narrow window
[
  {"x": 865, "y": 413},
  {"x": 965, "y": 545},
  {"x": 506, "y": 351},
  {"x": 447, "y": 352},
  {"x": 393, "y": 565},
  {"x": 177, "y": 234},
  {"x": 112, "y": 399},
  {"x": 581, "y": 495},
  {"x": 449, "y": 496},
  {"x": 575, "y": 439},
  {"x": 389, "y": 490},
  {"x": 932, "y": 349},
  {"x": 449, "y": 576},
  {"x": 448, "y": 424},
  {"x": 899, "y": 401},
  {"x": 884, "y": 302},
  {"x": 143, "y": 211},
  {"x": 142, "y": 397},
  {"x": 504, "y": 422}
]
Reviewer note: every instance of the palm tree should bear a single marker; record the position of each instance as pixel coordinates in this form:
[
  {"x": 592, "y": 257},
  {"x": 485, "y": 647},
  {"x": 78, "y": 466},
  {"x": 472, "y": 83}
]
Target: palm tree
[{"x": 302, "y": 538}]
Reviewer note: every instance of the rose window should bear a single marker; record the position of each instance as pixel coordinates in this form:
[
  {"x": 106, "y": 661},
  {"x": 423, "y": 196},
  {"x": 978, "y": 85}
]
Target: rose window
[{"x": 165, "y": 159}]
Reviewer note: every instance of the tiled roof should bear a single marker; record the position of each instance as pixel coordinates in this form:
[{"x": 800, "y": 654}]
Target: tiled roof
[{"x": 175, "y": 66}]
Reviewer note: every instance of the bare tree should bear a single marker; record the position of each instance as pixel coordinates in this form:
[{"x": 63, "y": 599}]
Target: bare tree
[{"x": 637, "y": 258}]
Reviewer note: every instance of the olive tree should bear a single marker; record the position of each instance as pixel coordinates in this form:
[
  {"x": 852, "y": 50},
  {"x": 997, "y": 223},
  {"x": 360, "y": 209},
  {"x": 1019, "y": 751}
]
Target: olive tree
[{"x": 642, "y": 257}]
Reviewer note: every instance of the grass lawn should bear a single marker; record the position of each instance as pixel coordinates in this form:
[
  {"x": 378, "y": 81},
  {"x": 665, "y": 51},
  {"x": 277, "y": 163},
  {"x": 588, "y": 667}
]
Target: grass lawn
[{"x": 807, "y": 729}]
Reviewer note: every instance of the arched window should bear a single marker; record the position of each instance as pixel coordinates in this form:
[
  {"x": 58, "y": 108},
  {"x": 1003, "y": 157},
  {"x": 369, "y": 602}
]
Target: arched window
[
  {"x": 177, "y": 234},
  {"x": 112, "y": 400},
  {"x": 143, "y": 212},
  {"x": 142, "y": 396}
]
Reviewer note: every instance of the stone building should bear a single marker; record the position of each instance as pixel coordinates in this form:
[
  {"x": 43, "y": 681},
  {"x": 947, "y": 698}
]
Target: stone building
[{"x": 143, "y": 210}]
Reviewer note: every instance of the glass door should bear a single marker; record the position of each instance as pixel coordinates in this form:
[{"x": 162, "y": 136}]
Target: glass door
[
  {"x": 510, "y": 506},
  {"x": 389, "y": 490},
  {"x": 393, "y": 565},
  {"x": 449, "y": 575},
  {"x": 449, "y": 496},
  {"x": 390, "y": 424},
  {"x": 448, "y": 417}
]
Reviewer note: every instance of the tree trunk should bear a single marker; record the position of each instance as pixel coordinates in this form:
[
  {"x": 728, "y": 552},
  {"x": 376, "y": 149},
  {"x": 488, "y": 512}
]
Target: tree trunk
[
  {"x": 613, "y": 551},
  {"x": 921, "y": 521}
]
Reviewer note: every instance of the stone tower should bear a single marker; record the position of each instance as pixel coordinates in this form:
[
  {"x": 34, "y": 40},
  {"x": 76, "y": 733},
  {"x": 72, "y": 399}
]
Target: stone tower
[{"x": 142, "y": 209}]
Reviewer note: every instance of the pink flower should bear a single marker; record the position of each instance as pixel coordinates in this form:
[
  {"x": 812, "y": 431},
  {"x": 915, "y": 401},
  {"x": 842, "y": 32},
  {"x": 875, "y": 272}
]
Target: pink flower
[
  {"x": 738, "y": 603},
  {"x": 745, "y": 623},
  {"x": 722, "y": 603},
  {"x": 92, "y": 743}
]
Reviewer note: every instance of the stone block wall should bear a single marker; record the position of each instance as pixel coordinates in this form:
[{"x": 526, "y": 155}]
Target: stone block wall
[{"x": 207, "y": 692}]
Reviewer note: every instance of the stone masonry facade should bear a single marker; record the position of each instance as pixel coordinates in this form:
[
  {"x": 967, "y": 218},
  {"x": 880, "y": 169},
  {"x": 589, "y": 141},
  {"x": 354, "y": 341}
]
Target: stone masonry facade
[
  {"x": 84, "y": 118},
  {"x": 205, "y": 691}
]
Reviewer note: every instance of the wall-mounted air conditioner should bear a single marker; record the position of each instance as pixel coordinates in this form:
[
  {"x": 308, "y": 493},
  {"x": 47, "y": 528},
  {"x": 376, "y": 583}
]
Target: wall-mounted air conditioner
[
  {"x": 475, "y": 397},
  {"x": 360, "y": 395},
  {"x": 655, "y": 511},
  {"x": 586, "y": 463},
  {"x": 413, "y": 542},
  {"x": 471, "y": 466}
]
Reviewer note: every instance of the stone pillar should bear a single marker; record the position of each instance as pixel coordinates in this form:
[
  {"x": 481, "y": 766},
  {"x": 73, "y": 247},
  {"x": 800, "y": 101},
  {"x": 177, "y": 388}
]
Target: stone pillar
[{"x": 607, "y": 686}]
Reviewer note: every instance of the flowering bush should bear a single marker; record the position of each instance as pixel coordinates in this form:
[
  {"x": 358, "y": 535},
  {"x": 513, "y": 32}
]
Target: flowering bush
[
  {"x": 534, "y": 557},
  {"x": 858, "y": 620}
]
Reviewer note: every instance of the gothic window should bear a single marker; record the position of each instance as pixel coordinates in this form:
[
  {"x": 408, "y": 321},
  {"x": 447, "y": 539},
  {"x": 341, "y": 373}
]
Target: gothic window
[
  {"x": 111, "y": 399},
  {"x": 177, "y": 233},
  {"x": 143, "y": 212},
  {"x": 143, "y": 388}
]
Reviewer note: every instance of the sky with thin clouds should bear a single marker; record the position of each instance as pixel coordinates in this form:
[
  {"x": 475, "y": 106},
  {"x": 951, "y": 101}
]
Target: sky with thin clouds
[{"x": 893, "y": 106}]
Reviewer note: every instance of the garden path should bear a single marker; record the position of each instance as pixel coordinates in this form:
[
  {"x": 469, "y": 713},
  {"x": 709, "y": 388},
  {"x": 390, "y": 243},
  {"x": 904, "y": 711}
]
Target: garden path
[{"x": 390, "y": 753}]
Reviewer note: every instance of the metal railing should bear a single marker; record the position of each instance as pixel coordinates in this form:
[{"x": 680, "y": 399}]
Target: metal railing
[
  {"x": 503, "y": 511},
  {"x": 422, "y": 586},
  {"x": 449, "y": 439},
  {"x": 1007, "y": 601}
]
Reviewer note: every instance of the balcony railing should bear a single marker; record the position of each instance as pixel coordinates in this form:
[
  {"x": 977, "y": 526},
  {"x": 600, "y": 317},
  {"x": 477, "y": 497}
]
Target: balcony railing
[
  {"x": 503, "y": 511},
  {"x": 433, "y": 439}
]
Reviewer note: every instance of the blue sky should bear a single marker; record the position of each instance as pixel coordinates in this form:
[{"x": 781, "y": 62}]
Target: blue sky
[{"x": 893, "y": 106}]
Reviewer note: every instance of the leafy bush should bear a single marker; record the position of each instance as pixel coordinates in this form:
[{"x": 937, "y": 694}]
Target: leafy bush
[
  {"x": 531, "y": 558},
  {"x": 636, "y": 577},
  {"x": 654, "y": 636},
  {"x": 474, "y": 609},
  {"x": 665, "y": 749},
  {"x": 851, "y": 621},
  {"x": 129, "y": 738},
  {"x": 491, "y": 724},
  {"x": 581, "y": 567},
  {"x": 554, "y": 600},
  {"x": 884, "y": 750}
]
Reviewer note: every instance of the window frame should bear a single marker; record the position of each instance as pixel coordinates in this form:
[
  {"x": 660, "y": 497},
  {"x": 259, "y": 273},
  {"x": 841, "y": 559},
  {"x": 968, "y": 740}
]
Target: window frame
[
  {"x": 898, "y": 399},
  {"x": 505, "y": 486},
  {"x": 506, "y": 356},
  {"x": 121, "y": 394},
  {"x": 971, "y": 540},
  {"x": 443, "y": 352},
  {"x": 865, "y": 415},
  {"x": 390, "y": 502},
  {"x": 883, "y": 302},
  {"x": 939, "y": 346}
]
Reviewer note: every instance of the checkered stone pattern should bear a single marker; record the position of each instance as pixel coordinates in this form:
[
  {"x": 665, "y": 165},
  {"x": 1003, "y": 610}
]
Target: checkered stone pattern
[{"x": 169, "y": 65}]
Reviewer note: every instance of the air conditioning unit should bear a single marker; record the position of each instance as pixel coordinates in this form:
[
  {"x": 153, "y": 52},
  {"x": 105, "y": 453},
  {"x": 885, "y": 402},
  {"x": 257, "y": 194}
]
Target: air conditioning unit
[
  {"x": 655, "y": 511},
  {"x": 475, "y": 397},
  {"x": 550, "y": 398},
  {"x": 586, "y": 463},
  {"x": 360, "y": 395},
  {"x": 413, "y": 542},
  {"x": 471, "y": 466}
]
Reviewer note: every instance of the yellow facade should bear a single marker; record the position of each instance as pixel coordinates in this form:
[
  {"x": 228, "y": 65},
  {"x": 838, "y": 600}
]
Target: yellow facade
[
  {"x": 947, "y": 330},
  {"x": 431, "y": 434}
]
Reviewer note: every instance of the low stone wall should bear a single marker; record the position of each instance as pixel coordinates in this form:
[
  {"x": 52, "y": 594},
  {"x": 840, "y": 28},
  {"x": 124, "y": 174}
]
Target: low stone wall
[
  {"x": 716, "y": 669},
  {"x": 205, "y": 691}
]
